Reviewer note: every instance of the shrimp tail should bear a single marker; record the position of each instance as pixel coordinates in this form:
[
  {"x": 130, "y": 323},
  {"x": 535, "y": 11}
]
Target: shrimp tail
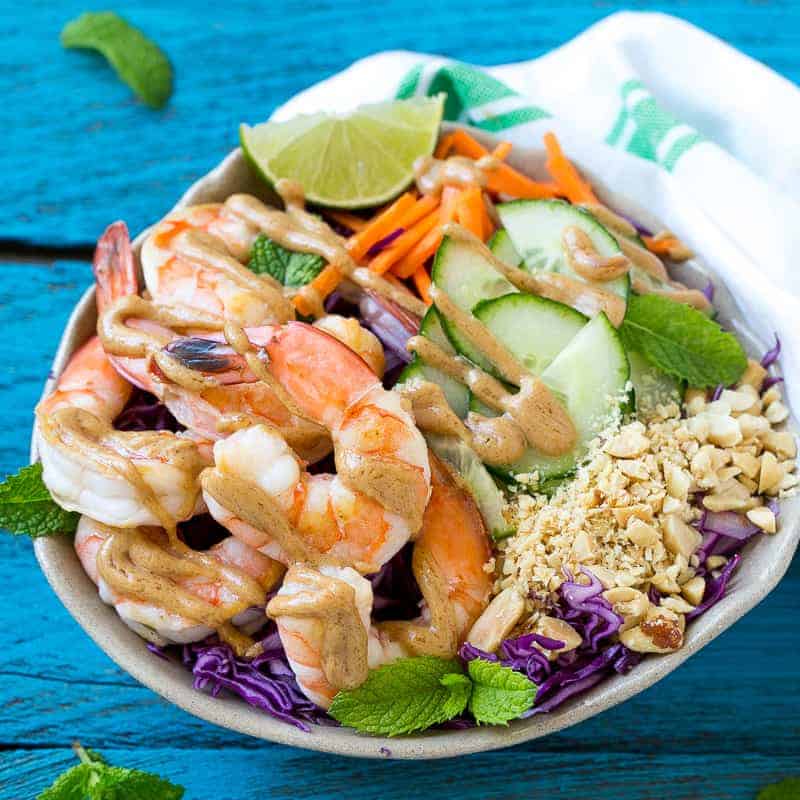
[
  {"x": 114, "y": 266},
  {"x": 203, "y": 355}
]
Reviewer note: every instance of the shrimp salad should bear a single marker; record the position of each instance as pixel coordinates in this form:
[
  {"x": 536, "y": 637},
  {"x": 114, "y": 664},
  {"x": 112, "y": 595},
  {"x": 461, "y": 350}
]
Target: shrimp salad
[{"x": 442, "y": 439}]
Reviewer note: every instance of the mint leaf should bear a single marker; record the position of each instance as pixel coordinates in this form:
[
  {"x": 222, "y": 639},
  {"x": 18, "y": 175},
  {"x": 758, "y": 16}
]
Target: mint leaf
[
  {"x": 137, "y": 60},
  {"x": 408, "y": 695},
  {"x": 118, "y": 783},
  {"x": 788, "y": 789},
  {"x": 71, "y": 785},
  {"x": 499, "y": 694},
  {"x": 682, "y": 341},
  {"x": 286, "y": 266},
  {"x": 94, "y": 779},
  {"x": 27, "y": 507}
]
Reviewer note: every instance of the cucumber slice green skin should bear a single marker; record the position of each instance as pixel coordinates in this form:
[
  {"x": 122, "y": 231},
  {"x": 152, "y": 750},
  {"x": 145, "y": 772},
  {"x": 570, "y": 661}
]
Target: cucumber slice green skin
[
  {"x": 503, "y": 248},
  {"x": 468, "y": 278},
  {"x": 590, "y": 374},
  {"x": 476, "y": 479},
  {"x": 456, "y": 394},
  {"x": 533, "y": 328},
  {"x": 536, "y": 228}
]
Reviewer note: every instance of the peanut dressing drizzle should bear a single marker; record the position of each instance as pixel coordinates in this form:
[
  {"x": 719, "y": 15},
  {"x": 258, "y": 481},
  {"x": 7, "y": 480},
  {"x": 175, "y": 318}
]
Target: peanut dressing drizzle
[
  {"x": 203, "y": 248},
  {"x": 129, "y": 562},
  {"x": 433, "y": 174},
  {"x": 135, "y": 566},
  {"x": 534, "y": 410},
  {"x": 257, "y": 508},
  {"x": 587, "y": 298},
  {"x": 331, "y": 603},
  {"x": 587, "y": 262},
  {"x": 296, "y": 229}
]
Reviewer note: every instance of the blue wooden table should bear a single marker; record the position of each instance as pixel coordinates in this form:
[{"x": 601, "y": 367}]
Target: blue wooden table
[{"x": 77, "y": 152}]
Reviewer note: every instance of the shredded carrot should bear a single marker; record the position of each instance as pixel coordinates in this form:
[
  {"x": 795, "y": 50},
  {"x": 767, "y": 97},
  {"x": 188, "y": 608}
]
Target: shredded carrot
[
  {"x": 504, "y": 180},
  {"x": 382, "y": 225},
  {"x": 572, "y": 186},
  {"x": 420, "y": 209},
  {"x": 423, "y": 283},
  {"x": 444, "y": 147},
  {"x": 429, "y": 244},
  {"x": 416, "y": 257},
  {"x": 392, "y": 254},
  {"x": 324, "y": 284},
  {"x": 466, "y": 145},
  {"x": 660, "y": 246},
  {"x": 471, "y": 211},
  {"x": 351, "y": 221},
  {"x": 501, "y": 151}
]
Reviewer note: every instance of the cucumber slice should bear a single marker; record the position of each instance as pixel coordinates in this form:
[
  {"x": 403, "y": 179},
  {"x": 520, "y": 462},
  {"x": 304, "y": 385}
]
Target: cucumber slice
[
  {"x": 590, "y": 375},
  {"x": 501, "y": 245},
  {"x": 536, "y": 227},
  {"x": 456, "y": 394},
  {"x": 466, "y": 275},
  {"x": 533, "y": 328},
  {"x": 651, "y": 386},
  {"x": 477, "y": 481},
  {"x": 468, "y": 278}
]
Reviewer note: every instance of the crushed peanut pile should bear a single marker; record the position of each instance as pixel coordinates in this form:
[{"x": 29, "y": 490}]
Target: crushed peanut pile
[{"x": 627, "y": 515}]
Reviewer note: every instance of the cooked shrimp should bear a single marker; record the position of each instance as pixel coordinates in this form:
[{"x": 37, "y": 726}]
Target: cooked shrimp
[
  {"x": 323, "y": 615},
  {"x": 212, "y": 597},
  {"x": 448, "y": 563},
  {"x": 359, "y": 517},
  {"x": 192, "y": 258},
  {"x": 348, "y": 331},
  {"x": 133, "y": 330},
  {"x": 121, "y": 478}
]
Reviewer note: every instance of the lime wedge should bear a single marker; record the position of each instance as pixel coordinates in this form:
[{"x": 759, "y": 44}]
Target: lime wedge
[{"x": 347, "y": 160}]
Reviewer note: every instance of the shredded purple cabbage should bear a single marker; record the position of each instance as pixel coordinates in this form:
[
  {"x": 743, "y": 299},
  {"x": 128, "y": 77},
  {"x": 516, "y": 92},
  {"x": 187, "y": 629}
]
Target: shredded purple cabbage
[
  {"x": 715, "y": 587},
  {"x": 770, "y": 381},
  {"x": 382, "y": 244},
  {"x": 592, "y": 616},
  {"x": 144, "y": 412},
  {"x": 724, "y": 533},
  {"x": 772, "y": 355},
  {"x": 709, "y": 290},
  {"x": 718, "y": 392},
  {"x": 267, "y": 682}
]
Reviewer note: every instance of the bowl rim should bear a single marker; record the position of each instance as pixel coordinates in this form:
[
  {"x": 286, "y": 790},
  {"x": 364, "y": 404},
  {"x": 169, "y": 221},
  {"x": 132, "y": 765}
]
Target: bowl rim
[{"x": 174, "y": 683}]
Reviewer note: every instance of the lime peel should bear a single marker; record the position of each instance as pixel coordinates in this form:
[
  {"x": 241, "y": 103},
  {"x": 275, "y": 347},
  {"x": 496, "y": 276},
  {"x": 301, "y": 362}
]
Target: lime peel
[{"x": 354, "y": 160}]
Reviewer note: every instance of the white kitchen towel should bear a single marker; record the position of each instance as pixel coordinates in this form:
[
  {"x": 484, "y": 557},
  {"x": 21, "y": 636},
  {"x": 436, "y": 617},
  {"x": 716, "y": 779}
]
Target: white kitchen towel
[{"x": 700, "y": 134}]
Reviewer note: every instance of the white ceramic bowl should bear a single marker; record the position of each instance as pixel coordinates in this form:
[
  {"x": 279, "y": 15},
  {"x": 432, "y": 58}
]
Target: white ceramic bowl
[{"x": 764, "y": 562}]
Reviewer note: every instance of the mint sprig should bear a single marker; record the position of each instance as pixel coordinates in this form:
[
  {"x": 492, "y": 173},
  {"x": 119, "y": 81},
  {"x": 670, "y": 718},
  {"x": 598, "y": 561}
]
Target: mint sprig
[
  {"x": 499, "y": 694},
  {"x": 26, "y": 506},
  {"x": 286, "y": 266},
  {"x": 95, "y": 779},
  {"x": 137, "y": 60},
  {"x": 682, "y": 341},
  {"x": 413, "y": 694}
]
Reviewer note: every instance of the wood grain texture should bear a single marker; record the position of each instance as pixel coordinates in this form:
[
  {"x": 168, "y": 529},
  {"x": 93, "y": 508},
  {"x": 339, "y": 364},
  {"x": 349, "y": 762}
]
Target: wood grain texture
[
  {"x": 722, "y": 725},
  {"x": 77, "y": 152}
]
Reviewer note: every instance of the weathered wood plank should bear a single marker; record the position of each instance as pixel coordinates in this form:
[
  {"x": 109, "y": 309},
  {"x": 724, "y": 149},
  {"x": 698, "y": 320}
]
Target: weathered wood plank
[
  {"x": 79, "y": 151},
  {"x": 280, "y": 772},
  {"x": 55, "y": 684},
  {"x": 35, "y": 301}
]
